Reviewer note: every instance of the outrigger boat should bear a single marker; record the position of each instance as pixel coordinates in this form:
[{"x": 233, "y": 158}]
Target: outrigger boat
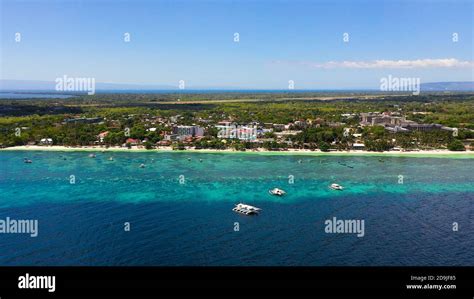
[
  {"x": 246, "y": 209},
  {"x": 336, "y": 187},
  {"x": 277, "y": 192}
]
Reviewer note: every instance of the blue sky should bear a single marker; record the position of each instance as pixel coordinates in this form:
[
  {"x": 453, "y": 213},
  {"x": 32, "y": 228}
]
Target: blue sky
[{"x": 279, "y": 41}]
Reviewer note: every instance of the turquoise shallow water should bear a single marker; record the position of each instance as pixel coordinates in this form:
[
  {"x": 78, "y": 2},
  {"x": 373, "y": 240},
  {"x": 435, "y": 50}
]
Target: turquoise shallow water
[{"x": 191, "y": 223}]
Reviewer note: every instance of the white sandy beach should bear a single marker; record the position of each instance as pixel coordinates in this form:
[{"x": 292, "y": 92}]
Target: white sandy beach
[{"x": 261, "y": 151}]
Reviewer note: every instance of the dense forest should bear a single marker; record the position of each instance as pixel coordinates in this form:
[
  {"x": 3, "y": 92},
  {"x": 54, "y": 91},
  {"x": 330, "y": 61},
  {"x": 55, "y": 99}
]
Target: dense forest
[{"x": 28, "y": 121}]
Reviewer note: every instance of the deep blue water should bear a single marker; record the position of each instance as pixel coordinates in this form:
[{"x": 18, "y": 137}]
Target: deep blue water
[{"x": 193, "y": 224}]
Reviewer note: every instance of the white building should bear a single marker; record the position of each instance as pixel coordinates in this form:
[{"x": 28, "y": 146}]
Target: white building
[
  {"x": 46, "y": 141},
  {"x": 246, "y": 133},
  {"x": 188, "y": 131}
]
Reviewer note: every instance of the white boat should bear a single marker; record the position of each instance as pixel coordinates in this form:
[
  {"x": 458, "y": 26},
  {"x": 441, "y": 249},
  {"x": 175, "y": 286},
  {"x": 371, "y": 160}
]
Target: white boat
[
  {"x": 277, "y": 192},
  {"x": 246, "y": 209},
  {"x": 28, "y": 161},
  {"x": 111, "y": 159},
  {"x": 336, "y": 187},
  {"x": 142, "y": 165},
  {"x": 91, "y": 155}
]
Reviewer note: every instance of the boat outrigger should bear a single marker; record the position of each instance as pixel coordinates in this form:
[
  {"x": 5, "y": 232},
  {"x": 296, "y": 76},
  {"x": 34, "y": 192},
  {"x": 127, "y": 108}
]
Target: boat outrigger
[
  {"x": 246, "y": 209},
  {"x": 336, "y": 187},
  {"x": 277, "y": 192}
]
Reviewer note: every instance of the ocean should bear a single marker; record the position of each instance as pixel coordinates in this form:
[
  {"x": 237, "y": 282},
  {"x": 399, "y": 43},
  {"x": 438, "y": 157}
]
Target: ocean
[
  {"x": 177, "y": 211},
  {"x": 31, "y": 95}
]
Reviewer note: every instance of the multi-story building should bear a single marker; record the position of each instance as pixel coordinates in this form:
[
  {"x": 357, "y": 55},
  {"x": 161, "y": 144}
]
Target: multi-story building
[
  {"x": 188, "y": 131},
  {"x": 246, "y": 133},
  {"x": 376, "y": 118},
  {"x": 397, "y": 123}
]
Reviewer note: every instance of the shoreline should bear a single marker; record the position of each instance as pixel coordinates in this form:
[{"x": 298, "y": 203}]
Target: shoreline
[{"x": 421, "y": 153}]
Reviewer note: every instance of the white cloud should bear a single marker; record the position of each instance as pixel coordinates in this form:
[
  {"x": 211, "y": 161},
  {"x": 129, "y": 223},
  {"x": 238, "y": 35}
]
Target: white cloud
[{"x": 389, "y": 64}]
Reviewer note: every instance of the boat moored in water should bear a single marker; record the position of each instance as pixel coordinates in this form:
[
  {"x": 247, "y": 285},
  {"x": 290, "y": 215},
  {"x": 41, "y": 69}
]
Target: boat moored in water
[
  {"x": 277, "y": 192},
  {"x": 336, "y": 187},
  {"x": 246, "y": 209}
]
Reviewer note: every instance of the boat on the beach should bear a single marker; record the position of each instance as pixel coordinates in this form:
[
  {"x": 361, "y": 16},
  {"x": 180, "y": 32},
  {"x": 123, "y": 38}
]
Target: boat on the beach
[
  {"x": 336, "y": 187},
  {"x": 246, "y": 209},
  {"x": 277, "y": 192}
]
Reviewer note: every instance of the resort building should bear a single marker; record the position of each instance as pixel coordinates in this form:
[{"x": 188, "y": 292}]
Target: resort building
[
  {"x": 132, "y": 141},
  {"x": 284, "y": 134},
  {"x": 375, "y": 118},
  {"x": 358, "y": 146},
  {"x": 425, "y": 127},
  {"x": 46, "y": 141},
  {"x": 411, "y": 126},
  {"x": 102, "y": 136},
  {"x": 163, "y": 143},
  {"x": 170, "y": 137},
  {"x": 394, "y": 123},
  {"x": 188, "y": 131},
  {"x": 245, "y": 133}
]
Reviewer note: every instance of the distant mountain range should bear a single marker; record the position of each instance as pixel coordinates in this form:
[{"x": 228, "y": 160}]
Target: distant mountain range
[{"x": 35, "y": 85}]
